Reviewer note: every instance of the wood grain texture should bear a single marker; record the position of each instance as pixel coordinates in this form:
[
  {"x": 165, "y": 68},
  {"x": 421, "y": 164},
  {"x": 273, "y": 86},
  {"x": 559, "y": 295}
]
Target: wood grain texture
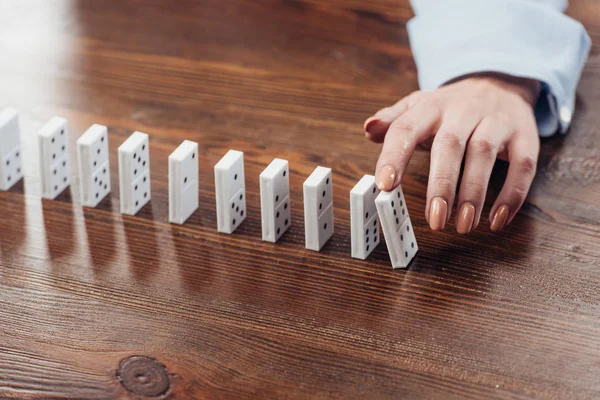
[{"x": 509, "y": 315}]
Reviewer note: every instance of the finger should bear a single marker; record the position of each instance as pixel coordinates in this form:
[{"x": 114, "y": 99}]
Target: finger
[
  {"x": 402, "y": 137},
  {"x": 482, "y": 150},
  {"x": 523, "y": 155},
  {"x": 377, "y": 126},
  {"x": 447, "y": 152}
]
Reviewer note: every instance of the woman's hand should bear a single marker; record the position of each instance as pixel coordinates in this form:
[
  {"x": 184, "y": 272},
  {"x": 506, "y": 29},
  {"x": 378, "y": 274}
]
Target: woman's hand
[{"x": 477, "y": 119}]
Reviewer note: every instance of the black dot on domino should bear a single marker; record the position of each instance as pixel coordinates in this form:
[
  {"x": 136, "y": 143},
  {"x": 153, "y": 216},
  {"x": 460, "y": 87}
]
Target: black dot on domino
[
  {"x": 325, "y": 225},
  {"x": 286, "y": 222}
]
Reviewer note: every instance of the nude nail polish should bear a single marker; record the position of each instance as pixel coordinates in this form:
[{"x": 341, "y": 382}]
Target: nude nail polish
[
  {"x": 370, "y": 123},
  {"x": 500, "y": 218},
  {"x": 465, "y": 219},
  {"x": 438, "y": 213},
  {"x": 386, "y": 178}
]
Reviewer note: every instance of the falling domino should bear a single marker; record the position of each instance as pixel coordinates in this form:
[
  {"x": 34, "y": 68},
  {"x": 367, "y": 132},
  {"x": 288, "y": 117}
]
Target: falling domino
[
  {"x": 183, "y": 182},
  {"x": 54, "y": 157},
  {"x": 10, "y": 149},
  {"x": 318, "y": 208},
  {"x": 230, "y": 191},
  {"x": 93, "y": 164},
  {"x": 397, "y": 228},
  {"x": 134, "y": 173},
  {"x": 363, "y": 217},
  {"x": 275, "y": 200}
]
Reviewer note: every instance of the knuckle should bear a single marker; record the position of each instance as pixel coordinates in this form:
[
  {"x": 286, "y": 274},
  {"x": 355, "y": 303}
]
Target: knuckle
[
  {"x": 474, "y": 189},
  {"x": 442, "y": 184},
  {"x": 450, "y": 140},
  {"x": 483, "y": 146},
  {"x": 517, "y": 192},
  {"x": 403, "y": 125},
  {"x": 527, "y": 165}
]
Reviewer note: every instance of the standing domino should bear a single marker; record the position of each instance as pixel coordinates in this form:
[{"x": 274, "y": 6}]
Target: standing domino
[
  {"x": 10, "y": 149},
  {"x": 318, "y": 208},
  {"x": 397, "y": 229},
  {"x": 54, "y": 157},
  {"x": 93, "y": 163},
  {"x": 363, "y": 217},
  {"x": 134, "y": 173},
  {"x": 275, "y": 200},
  {"x": 183, "y": 182},
  {"x": 230, "y": 190}
]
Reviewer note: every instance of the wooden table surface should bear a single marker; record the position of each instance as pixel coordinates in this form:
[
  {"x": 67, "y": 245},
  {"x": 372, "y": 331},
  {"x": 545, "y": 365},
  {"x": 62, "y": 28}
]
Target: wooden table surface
[{"x": 206, "y": 315}]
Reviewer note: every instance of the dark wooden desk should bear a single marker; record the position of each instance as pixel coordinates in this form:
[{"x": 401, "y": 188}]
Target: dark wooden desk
[{"x": 510, "y": 315}]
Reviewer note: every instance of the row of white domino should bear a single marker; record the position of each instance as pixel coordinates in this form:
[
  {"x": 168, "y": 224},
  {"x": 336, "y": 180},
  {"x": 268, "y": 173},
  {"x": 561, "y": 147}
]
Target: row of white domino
[{"x": 368, "y": 206}]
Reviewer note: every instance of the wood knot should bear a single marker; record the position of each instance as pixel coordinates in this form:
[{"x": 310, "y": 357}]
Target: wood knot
[{"x": 143, "y": 376}]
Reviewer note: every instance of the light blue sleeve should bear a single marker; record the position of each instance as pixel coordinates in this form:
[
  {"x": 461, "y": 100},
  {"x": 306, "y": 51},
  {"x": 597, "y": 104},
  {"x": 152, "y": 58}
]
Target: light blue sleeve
[{"x": 522, "y": 38}]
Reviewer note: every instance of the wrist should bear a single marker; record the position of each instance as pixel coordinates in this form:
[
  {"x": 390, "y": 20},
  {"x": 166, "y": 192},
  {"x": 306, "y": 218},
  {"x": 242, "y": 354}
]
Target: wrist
[{"x": 528, "y": 89}]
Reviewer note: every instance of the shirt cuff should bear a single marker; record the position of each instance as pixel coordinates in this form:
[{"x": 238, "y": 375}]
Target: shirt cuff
[{"x": 518, "y": 38}]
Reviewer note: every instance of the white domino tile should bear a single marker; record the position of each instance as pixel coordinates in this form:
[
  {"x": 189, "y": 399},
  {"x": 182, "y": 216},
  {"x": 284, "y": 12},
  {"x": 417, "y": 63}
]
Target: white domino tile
[
  {"x": 363, "y": 217},
  {"x": 318, "y": 208},
  {"x": 183, "y": 182},
  {"x": 230, "y": 191},
  {"x": 94, "y": 165},
  {"x": 10, "y": 149},
  {"x": 275, "y": 200},
  {"x": 134, "y": 173},
  {"x": 54, "y": 157},
  {"x": 397, "y": 228}
]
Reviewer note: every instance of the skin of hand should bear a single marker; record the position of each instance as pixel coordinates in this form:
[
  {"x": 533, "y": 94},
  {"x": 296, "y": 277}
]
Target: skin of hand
[{"x": 478, "y": 118}]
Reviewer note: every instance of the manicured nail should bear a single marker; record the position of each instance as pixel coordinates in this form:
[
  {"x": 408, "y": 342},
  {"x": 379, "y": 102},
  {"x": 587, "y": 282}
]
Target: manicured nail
[
  {"x": 438, "y": 213},
  {"x": 370, "y": 123},
  {"x": 466, "y": 215},
  {"x": 500, "y": 218},
  {"x": 386, "y": 178}
]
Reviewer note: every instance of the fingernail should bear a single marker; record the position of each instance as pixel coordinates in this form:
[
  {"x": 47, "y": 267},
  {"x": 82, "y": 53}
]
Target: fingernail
[
  {"x": 500, "y": 218},
  {"x": 386, "y": 178},
  {"x": 466, "y": 215},
  {"x": 438, "y": 213},
  {"x": 369, "y": 123}
]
